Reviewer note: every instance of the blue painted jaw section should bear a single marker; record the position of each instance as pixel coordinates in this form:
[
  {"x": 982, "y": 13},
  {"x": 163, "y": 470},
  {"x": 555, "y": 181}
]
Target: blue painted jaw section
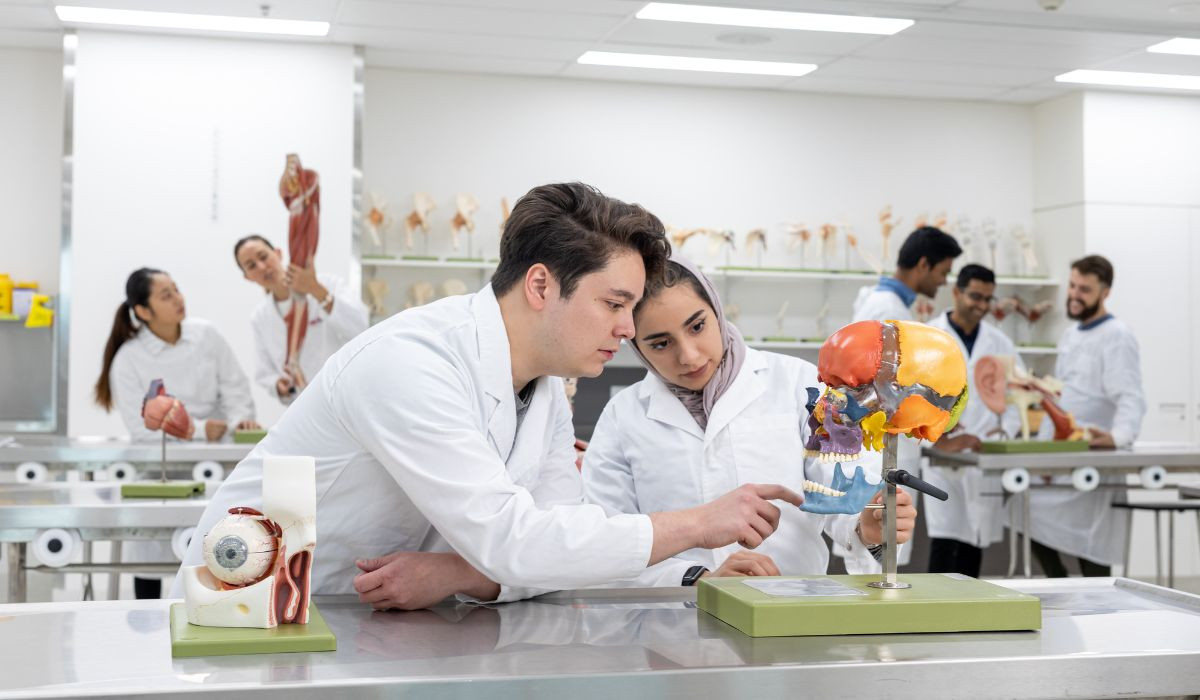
[{"x": 858, "y": 494}]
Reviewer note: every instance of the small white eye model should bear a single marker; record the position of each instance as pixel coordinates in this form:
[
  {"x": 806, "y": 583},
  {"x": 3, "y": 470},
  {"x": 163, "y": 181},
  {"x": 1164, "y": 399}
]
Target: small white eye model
[{"x": 240, "y": 548}]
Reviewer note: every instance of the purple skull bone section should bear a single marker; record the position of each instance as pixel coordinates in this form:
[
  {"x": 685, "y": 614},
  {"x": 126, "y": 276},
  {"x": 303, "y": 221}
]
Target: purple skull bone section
[
  {"x": 839, "y": 435},
  {"x": 842, "y": 439}
]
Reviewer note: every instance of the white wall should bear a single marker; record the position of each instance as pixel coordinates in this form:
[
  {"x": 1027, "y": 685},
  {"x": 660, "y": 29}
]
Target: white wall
[
  {"x": 179, "y": 145},
  {"x": 31, "y": 175},
  {"x": 721, "y": 158}
]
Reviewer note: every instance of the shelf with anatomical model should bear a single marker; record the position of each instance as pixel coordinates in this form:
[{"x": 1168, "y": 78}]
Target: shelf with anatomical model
[
  {"x": 404, "y": 274},
  {"x": 798, "y": 322}
]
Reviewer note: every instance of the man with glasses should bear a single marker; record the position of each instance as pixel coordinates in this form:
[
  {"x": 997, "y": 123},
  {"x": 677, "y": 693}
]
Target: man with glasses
[{"x": 961, "y": 527}]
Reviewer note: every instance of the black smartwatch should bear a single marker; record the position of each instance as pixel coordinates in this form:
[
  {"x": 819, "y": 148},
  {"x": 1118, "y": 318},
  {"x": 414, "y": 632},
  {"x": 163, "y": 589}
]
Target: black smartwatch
[{"x": 693, "y": 575}]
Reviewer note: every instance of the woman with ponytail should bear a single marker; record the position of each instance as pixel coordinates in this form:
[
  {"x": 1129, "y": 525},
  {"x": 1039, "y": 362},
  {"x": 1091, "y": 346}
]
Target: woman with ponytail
[{"x": 152, "y": 339}]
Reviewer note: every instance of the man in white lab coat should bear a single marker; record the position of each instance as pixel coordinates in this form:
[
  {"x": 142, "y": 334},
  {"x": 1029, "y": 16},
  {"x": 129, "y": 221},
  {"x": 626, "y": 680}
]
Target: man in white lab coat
[
  {"x": 963, "y": 526},
  {"x": 921, "y": 267},
  {"x": 1100, "y": 364},
  {"x": 443, "y": 442}
]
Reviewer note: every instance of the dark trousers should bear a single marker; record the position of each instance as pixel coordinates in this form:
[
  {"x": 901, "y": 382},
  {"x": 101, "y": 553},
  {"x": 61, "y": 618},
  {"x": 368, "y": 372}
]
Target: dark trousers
[
  {"x": 947, "y": 556},
  {"x": 1052, "y": 564},
  {"x": 147, "y": 588}
]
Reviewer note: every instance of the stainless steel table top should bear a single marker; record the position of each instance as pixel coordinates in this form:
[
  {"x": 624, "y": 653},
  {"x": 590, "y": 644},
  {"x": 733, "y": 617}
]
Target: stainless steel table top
[
  {"x": 98, "y": 453},
  {"x": 90, "y": 505},
  {"x": 1177, "y": 459},
  {"x": 1100, "y": 638}
]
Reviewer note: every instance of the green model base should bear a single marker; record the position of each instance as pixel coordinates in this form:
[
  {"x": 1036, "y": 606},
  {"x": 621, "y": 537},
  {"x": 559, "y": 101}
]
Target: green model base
[
  {"x": 248, "y": 437},
  {"x": 193, "y": 640},
  {"x": 779, "y": 339},
  {"x": 935, "y": 603},
  {"x": 162, "y": 489},
  {"x": 992, "y": 447}
]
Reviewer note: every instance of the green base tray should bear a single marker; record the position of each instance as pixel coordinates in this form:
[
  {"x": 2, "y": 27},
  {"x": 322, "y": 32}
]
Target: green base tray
[
  {"x": 248, "y": 437},
  {"x": 418, "y": 257},
  {"x": 778, "y": 339},
  {"x": 162, "y": 489},
  {"x": 193, "y": 640},
  {"x": 992, "y": 447},
  {"x": 378, "y": 256},
  {"x": 935, "y": 603}
]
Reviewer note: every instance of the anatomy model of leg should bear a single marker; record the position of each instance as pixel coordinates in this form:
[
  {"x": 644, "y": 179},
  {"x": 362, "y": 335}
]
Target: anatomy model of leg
[
  {"x": 378, "y": 219},
  {"x": 464, "y": 216},
  {"x": 423, "y": 204},
  {"x": 886, "y": 224},
  {"x": 258, "y": 564},
  {"x": 799, "y": 236}
]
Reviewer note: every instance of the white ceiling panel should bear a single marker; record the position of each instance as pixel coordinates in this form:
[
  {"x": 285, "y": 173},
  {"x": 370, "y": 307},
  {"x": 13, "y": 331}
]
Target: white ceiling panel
[
  {"x": 456, "y": 19},
  {"x": 538, "y": 49},
  {"x": 932, "y": 72},
  {"x": 1006, "y": 50},
  {"x": 1016, "y": 33},
  {"x": 892, "y": 88},
  {"x": 447, "y": 62},
  {"x": 1030, "y": 95},
  {"x": 679, "y": 35},
  {"x": 992, "y": 53},
  {"x": 674, "y": 77},
  {"x": 1153, "y": 63}
]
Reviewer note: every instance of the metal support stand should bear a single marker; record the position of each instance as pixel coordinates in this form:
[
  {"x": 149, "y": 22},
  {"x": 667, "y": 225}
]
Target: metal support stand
[
  {"x": 16, "y": 572},
  {"x": 889, "y": 579}
]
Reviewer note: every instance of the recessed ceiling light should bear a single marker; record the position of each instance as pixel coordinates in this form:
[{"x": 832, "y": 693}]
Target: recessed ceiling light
[
  {"x": 708, "y": 65},
  {"x": 771, "y": 19},
  {"x": 1188, "y": 47},
  {"x": 175, "y": 20},
  {"x": 1129, "y": 79}
]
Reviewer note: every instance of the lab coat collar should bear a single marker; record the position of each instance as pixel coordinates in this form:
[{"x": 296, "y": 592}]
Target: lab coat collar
[
  {"x": 155, "y": 345},
  {"x": 495, "y": 359},
  {"x": 664, "y": 407},
  {"x": 747, "y": 386}
]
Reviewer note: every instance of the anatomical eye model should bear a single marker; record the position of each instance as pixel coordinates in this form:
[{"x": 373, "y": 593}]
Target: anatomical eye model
[{"x": 257, "y": 564}]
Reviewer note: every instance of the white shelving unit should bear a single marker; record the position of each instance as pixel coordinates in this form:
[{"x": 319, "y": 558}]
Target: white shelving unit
[{"x": 718, "y": 273}]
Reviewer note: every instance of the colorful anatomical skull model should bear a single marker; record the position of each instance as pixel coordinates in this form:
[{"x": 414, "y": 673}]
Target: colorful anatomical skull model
[
  {"x": 893, "y": 377},
  {"x": 257, "y": 565}
]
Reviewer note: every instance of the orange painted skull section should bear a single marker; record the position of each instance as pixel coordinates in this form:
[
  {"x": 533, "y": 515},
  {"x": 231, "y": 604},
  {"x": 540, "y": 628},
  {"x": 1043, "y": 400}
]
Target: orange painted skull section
[
  {"x": 851, "y": 356},
  {"x": 929, "y": 356},
  {"x": 919, "y": 418}
]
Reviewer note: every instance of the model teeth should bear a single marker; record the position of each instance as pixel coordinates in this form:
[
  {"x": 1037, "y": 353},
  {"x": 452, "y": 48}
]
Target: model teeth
[
  {"x": 832, "y": 456},
  {"x": 814, "y": 487}
]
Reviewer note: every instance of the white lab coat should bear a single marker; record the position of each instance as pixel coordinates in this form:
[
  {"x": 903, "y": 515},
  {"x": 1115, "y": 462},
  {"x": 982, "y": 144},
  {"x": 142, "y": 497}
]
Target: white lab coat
[
  {"x": 648, "y": 454},
  {"x": 199, "y": 369},
  {"x": 327, "y": 332},
  {"x": 969, "y": 516},
  {"x": 877, "y": 304},
  {"x": 413, "y": 427},
  {"x": 1102, "y": 371}
]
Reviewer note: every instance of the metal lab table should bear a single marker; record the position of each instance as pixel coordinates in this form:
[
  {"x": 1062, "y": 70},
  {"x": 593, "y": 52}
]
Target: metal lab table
[
  {"x": 1106, "y": 462},
  {"x": 97, "y": 511},
  {"x": 89, "y": 455},
  {"x": 1100, "y": 638}
]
